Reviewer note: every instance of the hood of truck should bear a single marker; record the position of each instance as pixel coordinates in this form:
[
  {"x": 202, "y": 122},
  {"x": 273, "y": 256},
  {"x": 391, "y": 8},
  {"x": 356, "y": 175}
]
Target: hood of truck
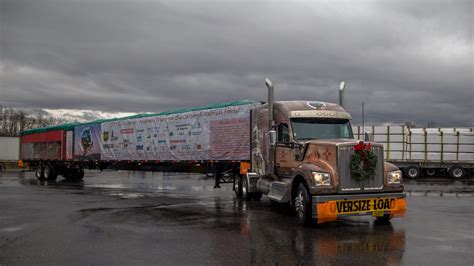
[{"x": 323, "y": 153}]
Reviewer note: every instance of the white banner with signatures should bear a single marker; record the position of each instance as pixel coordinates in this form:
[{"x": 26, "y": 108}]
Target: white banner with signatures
[{"x": 212, "y": 134}]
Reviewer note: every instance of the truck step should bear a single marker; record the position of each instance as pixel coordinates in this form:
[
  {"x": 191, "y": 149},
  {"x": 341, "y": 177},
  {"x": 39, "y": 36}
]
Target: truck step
[{"x": 280, "y": 192}]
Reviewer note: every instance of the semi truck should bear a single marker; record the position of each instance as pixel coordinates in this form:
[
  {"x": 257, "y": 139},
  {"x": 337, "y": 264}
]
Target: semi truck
[
  {"x": 9, "y": 152},
  {"x": 425, "y": 152},
  {"x": 301, "y": 153}
]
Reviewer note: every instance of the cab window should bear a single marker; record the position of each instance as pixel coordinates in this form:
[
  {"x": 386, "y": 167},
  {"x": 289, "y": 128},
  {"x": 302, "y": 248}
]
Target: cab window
[{"x": 283, "y": 133}]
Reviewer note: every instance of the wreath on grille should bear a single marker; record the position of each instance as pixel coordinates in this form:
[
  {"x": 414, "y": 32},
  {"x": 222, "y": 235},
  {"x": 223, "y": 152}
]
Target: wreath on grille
[{"x": 363, "y": 161}]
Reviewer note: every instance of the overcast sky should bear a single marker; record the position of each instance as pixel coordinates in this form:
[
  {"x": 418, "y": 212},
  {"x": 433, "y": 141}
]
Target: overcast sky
[{"x": 407, "y": 60}]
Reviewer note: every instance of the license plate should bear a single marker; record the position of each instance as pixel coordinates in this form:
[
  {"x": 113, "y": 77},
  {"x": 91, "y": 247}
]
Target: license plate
[{"x": 376, "y": 205}]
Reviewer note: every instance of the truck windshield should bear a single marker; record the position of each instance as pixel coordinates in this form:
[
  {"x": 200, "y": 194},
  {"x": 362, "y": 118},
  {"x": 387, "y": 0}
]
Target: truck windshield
[{"x": 321, "y": 128}]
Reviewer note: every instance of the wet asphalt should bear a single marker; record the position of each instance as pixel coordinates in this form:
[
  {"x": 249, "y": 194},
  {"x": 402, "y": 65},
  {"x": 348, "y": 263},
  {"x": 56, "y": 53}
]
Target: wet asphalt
[{"x": 136, "y": 218}]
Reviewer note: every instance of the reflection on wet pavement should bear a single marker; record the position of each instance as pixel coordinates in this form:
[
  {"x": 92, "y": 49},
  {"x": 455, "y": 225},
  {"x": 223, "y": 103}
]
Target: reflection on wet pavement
[{"x": 185, "y": 207}]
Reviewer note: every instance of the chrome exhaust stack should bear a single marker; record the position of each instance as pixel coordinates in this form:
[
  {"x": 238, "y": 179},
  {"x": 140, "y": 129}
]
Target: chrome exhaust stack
[{"x": 270, "y": 169}]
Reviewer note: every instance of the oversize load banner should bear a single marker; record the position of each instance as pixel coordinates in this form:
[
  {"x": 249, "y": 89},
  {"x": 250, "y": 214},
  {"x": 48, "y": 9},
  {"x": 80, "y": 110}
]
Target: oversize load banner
[
  {"x": 87, "y": 142},
  {"x": 216, "y": 134}
]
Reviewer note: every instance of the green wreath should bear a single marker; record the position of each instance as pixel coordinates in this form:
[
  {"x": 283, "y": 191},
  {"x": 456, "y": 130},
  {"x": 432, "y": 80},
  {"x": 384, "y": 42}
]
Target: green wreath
[{"x": 363, "y": 162}]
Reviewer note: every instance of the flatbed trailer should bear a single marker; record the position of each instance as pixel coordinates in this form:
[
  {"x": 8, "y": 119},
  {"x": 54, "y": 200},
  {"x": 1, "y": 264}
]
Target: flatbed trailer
[{"x": 426, "y": 152}]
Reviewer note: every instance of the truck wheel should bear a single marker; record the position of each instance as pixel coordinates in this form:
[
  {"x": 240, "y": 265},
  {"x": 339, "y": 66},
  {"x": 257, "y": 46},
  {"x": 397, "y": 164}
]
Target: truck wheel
[
  {"x": 302, "y": 205},
  {"x": 246, "y": 195},
  {"x": 238, "y": 186},
  {"x": 430, "y": 172},
  {"x": 39, "y": 173},
  {"x": 456, "y": 172},
  {"x": 412, "y": 172},
  {"x": 383, "y": 219},
  {"x": 245, "y": 189}
]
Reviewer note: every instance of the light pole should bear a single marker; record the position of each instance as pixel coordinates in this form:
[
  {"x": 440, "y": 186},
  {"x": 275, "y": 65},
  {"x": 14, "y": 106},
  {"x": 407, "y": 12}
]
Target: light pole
[{"x": 363, "y": 113}]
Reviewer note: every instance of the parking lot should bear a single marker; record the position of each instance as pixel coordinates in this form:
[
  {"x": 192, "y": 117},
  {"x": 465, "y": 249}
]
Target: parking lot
[{"x": 155, "y": 218}]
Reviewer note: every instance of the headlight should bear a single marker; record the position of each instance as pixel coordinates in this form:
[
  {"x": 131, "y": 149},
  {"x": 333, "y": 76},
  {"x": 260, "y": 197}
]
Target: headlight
[
  {"x": 321, "y": 179},
  {"x": 394, "y": 177}
]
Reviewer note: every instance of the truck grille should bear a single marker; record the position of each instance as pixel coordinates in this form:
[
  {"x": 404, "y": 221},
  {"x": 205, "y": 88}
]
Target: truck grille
[{"x": 347, "y": 183}]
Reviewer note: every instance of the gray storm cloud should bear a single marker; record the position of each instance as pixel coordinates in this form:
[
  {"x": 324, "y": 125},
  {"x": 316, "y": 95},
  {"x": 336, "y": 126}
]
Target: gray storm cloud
[{"x": 407, "y": 60}]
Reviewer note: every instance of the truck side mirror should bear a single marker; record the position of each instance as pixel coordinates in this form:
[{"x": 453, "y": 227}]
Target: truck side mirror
[{"x": 272, "y": 137}]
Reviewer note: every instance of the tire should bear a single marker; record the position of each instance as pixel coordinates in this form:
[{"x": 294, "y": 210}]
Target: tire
[
  {"x": 80, "y": 174},
  {"x": 456, "y": 172},
  {"x": 238, "y": 186},
  {"x": 302, "y": 205},
  {"x": 39, "y": 173},
  {"x": 246, "y": 195},
  {"x": 209, "y": 175},
  {"x": 257, "y": 196},
  {"x": 412, "y": 172},
  {"x": 430, "y": 172},
  {"x": 49, "y": 173},
  {"x": 383, "y": 219},
  {"x": 67, "y": 176}
]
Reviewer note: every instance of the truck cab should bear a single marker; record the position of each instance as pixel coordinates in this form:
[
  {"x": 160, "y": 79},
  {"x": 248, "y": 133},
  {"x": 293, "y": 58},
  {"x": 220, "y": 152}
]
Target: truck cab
[{"x": 305, "y": 154}]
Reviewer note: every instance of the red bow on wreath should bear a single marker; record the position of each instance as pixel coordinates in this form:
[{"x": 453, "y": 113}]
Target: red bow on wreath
[{"x": 361, "y": 146}]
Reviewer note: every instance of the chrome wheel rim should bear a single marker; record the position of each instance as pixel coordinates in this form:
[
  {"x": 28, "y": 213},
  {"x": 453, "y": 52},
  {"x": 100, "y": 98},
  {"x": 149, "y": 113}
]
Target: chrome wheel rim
[
  {"x": 299, "y": 205},
  {"x": 412, "y": 172},
  {"x": 457, "y": 172},
  {"x": 38, "y": 172},
  {"x": 46, "y": 172}
]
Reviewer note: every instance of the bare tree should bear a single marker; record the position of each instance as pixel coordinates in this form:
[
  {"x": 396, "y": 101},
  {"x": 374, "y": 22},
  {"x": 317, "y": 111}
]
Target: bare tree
[
  {"x": 432, "y": 124},
  {"x": 410, "y": 124},
  {"x": 12, "y": 121}
]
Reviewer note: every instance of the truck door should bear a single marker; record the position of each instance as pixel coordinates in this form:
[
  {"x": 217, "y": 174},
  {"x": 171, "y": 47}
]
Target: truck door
[{"x": 285, "y": 153}]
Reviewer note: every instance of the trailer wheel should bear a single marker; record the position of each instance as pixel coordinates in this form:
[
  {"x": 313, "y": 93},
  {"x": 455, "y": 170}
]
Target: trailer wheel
[
  {"x": 257, "y": 196},
  {"x": 302, "y": 204},
  {"x": 48, "y": 173},
  {"x": 39, "y": 173},
  {"x": 79, "y": 174},
  {"x": 67, "y": 176},
  {"x": 238, "y": 186},
  {"x": 412, "y": 172},
  {"x": 430, "y": 172},
  {"x": 456, "y": 172}
]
